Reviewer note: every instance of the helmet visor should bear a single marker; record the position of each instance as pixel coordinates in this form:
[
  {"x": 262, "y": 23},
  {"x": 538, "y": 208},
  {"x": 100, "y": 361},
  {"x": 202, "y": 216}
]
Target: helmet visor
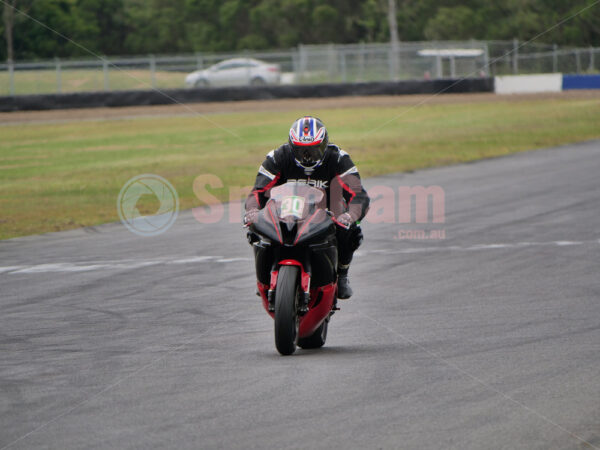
[{"x": 309, "y": 155}]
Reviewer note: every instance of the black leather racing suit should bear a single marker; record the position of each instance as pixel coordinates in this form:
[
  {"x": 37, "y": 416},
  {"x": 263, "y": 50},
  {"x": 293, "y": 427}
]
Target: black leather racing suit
[{"x": 336, "y": 173}]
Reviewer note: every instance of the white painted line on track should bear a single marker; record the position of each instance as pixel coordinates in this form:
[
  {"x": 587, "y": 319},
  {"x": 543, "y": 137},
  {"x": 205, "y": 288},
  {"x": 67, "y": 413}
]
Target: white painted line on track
[
  {"x": 478, "y": 247},
  {"x": 111, "y": 265},
  {"x": 228, "y": 260},
  {"x": 59, "y": 267},
  {"x": 9, "y": 268},
  {"x": 136, "y": 264},
  {"x": 563, "y": 243},
  {"x": 195, "y": 259}
]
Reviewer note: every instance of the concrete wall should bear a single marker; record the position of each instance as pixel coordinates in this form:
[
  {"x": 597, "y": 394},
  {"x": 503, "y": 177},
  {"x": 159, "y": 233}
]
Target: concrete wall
[{"x": 521, "y": 84}]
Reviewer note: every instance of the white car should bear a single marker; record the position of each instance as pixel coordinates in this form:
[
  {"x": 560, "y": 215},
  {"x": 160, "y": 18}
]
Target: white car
[{"x": 235, "y": 72}]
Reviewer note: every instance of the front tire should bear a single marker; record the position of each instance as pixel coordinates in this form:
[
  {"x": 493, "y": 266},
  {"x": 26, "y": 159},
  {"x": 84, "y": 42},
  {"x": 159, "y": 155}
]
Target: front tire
[
  {"x": 201, "y": 83},
  {"x": 286, "y": 310}
]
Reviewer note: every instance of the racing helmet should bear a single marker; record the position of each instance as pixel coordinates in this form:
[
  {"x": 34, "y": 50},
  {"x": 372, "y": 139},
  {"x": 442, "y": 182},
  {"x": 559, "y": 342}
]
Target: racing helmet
[{"x": 308, "y": 139}]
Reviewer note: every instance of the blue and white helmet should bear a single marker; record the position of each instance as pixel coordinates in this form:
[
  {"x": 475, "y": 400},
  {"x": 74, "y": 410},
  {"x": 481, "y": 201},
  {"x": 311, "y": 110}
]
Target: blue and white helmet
[{"x": 309, "y": 139}]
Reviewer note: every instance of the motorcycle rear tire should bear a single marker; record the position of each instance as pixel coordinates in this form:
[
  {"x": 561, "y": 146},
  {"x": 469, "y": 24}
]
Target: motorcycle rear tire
[
  {"x": 286, "y": 310},
  {"x": 317, "y": 339}
]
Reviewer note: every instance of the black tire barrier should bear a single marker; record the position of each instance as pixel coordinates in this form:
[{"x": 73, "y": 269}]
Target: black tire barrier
[{"x": 196, "y": 95}]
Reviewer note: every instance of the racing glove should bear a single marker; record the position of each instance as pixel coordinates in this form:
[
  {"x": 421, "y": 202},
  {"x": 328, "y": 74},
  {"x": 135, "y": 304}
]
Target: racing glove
[{"x": 345, "y": 220}]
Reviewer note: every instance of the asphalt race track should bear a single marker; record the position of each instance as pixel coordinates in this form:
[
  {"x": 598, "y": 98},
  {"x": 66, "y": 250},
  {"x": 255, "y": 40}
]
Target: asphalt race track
[{"x": 489, "y": 338}]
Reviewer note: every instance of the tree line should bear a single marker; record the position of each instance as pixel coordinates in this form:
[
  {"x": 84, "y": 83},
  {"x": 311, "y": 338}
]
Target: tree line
[{"x": 127, "y": 27}]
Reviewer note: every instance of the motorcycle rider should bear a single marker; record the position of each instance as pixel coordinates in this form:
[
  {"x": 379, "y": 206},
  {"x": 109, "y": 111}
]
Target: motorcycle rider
[{"x": 308, "y": 157}]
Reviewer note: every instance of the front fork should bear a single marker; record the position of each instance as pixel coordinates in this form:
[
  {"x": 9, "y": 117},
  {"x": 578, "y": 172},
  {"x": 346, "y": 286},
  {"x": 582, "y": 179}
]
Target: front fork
[
  {"x": 304, "y": 284},
  {"x": 268, "y": 291}
]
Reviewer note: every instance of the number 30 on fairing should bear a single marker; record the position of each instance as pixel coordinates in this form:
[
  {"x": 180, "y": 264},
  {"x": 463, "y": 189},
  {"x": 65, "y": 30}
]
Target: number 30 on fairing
[{"x": 292, "y": 206}]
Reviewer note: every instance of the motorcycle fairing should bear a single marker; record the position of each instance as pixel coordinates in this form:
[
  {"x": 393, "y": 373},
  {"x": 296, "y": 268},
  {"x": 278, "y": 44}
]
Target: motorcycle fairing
[
  {"x": 314, "y": 226},
  {"x": 267, "y": 224},
  {"x": 320, "y": 304},
  {"x": 296, "y": 232}
]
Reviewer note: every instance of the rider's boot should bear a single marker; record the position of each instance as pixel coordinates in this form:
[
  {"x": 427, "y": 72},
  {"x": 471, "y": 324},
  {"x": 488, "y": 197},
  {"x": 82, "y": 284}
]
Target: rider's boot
[{"x": 344, "y": 289}]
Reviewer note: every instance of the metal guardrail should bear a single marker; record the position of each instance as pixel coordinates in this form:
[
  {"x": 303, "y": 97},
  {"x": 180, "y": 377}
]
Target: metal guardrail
[{"x": 305, "y": 64}]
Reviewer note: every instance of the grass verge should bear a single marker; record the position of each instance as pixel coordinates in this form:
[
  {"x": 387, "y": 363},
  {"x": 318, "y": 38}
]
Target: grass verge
[
  {"x": 60, "y": 176},
  {"x": 81, "y": 80}
]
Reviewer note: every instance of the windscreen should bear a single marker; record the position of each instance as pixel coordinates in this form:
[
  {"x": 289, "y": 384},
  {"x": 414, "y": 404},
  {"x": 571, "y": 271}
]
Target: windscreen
[{"x": 295, "y": 201}]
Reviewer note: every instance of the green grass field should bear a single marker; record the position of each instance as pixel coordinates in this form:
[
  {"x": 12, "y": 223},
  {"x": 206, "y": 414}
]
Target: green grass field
[
  {"x": 85, "y": 80},
  {"x": 61, "y": 176},
  {"x": 80, "y": 80}
]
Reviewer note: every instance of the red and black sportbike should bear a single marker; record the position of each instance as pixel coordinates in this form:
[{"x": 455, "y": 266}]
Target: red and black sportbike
[{"x": 296, "y": 264}]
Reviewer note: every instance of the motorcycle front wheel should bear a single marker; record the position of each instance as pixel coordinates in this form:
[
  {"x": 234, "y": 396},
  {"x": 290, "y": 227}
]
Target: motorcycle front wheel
[{"x": 286, "y": 310}]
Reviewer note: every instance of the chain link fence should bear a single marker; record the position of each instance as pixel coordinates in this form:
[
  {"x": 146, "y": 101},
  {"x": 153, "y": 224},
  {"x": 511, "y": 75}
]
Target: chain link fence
[
  {"x": 305, "y": 64},
  {"x": 512, "y": 59}
]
